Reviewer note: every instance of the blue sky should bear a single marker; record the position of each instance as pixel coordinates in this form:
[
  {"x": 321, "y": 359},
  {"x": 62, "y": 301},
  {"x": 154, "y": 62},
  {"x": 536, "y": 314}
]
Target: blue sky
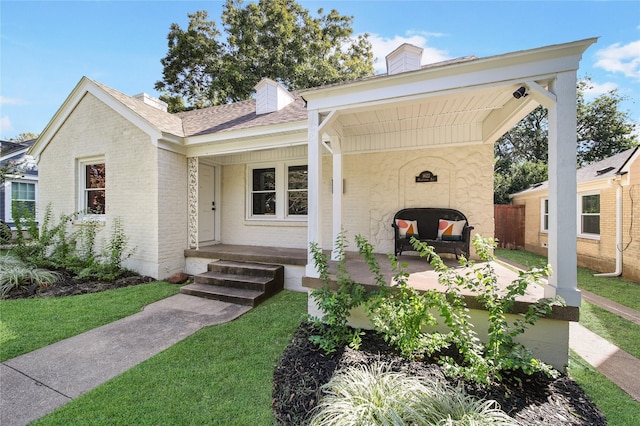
[{"x": 47, "y": 46}]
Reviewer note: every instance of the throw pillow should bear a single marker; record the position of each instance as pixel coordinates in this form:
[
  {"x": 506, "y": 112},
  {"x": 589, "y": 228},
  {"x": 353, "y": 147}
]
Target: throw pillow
[
  {"x": 407, "y": 227},
  {"x": 450, "y": 227}
]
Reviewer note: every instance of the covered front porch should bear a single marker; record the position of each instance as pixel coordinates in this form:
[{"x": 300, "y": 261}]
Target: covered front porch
[{"x": 542, "y": 339}]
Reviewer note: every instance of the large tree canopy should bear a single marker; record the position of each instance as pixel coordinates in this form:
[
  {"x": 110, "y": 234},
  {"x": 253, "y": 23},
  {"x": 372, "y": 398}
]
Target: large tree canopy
[
  {"x": 521, "y": 154},
  {"x": 278, "y": 39}
]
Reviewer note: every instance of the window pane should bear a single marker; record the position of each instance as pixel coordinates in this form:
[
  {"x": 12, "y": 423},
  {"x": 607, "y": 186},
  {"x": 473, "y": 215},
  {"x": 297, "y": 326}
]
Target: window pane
[
  {"x": 96, "y": 202},
  {"x": 264, "y": 179},
  {"x": 298, "y": 203},
  {"x": 96, "y": 176},
  {"x": 23, "y": 208},
  {"x": 591, "y": 204},
  {"x": 23, "y": 191},
  {"x": 591, "y": 224},
  {"x": 264, "y": 203},
  {"x": 546, "y": 206},
  {"x": 297, "y": 177}
]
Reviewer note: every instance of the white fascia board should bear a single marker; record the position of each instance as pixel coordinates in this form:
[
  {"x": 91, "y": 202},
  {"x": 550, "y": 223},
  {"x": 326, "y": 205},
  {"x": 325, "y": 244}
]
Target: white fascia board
[
  {"x": 84, "y": 87},
  {"x": 234, "y": 146},
  {"x": 519, "y": 66},
  {"x": 245, "y": 134}
]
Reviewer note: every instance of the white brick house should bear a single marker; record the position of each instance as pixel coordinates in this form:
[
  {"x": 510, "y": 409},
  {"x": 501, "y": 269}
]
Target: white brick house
[
  {"x": 284, "y": 170},
  {"x": 287, "y": 169}
]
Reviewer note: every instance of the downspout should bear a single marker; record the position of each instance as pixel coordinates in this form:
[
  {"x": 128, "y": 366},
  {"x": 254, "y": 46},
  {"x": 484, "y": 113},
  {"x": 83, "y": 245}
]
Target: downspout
[{"x": 618, "y": 271}]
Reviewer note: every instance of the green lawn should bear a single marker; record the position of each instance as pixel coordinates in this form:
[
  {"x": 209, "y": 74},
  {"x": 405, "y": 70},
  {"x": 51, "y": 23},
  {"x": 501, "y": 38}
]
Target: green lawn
[
  {"x": 619, "y": 290},
  {"x": 29, "y": 324},
  {"x": 221, "y": 375},
  {"x": 617, "y": 406}
]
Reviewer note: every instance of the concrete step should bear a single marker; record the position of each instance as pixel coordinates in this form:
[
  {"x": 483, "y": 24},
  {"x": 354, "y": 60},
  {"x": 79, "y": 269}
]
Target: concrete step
[
  {"x": 240, "y": 296},
  {"x": 242, "y": 283},
  {"x": 232, "y": 280},
  {"x": 246, "y": 268}
]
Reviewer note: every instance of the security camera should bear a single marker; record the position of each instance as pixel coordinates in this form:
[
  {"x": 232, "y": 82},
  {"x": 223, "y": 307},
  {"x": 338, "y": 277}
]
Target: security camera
[{"x": 520, "y": 93}]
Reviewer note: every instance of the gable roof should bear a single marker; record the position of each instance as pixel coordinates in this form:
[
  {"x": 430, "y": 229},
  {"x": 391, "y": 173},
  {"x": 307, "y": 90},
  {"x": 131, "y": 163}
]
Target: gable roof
[{"x": 601, "y": 170}]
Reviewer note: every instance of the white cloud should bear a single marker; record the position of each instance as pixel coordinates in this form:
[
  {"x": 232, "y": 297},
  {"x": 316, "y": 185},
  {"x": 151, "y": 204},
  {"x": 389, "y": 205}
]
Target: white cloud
[
  {"x": 10, "y": 101},
  {"x": 382, "y": 46},
  {"x": 621, "y": 58},
  {"x": 5, "y": 125},
  {"x": 597, "y": 89}
]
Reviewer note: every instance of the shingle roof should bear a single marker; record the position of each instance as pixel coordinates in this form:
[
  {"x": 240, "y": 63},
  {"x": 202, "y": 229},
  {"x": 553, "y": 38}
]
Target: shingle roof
[
  {"x": 238, "y": 116},
  {"x": 235, "y": 116},
  {"x": 603, "y": 169},
  {"x": 169, "y": 123}
]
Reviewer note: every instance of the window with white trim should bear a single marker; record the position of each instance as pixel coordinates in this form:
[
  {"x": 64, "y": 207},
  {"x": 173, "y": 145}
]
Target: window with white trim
[
  {"x": 278, "y": 191},
  {"x": 23, "y": 199},
  {"x": 544, "y": 215},
  {"x": 589, "y": 215},
  {"x": 92, "y": 185}
]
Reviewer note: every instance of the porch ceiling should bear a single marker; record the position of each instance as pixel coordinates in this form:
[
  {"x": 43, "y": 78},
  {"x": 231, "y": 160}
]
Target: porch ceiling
[{"x": 450, "y": 110}]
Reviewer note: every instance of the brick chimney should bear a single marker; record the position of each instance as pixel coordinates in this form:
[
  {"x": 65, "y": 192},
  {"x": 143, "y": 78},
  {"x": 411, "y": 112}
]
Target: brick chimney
[{"x": 407, "y": 57}]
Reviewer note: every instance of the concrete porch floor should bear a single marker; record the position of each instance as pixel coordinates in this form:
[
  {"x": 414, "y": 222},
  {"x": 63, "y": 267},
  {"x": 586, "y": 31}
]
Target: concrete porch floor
[{"x": 421, "y": 274}]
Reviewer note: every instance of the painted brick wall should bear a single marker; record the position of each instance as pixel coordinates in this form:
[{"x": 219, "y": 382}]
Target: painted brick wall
[
  {"x": 93, "y": 129},
  {"x": 377, "y": 185},
  {"x": 597, "y": 254},
  {"x": 173, "y": 215}
]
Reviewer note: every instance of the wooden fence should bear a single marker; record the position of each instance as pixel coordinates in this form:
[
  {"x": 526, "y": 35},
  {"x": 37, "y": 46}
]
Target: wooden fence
[{"x": 509, "y": 226}]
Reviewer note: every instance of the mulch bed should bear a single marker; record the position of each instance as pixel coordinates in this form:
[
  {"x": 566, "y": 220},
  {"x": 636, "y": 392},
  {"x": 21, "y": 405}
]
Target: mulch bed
[
  {"x": 68, "y": 285},
  {"x": 531, "y": 400}
]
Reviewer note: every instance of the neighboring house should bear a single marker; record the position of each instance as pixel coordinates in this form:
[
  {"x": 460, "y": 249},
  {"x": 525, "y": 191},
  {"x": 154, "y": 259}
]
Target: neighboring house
[
  {"x": 608, "y": 215},
  {"x": 20, "y": 185}
]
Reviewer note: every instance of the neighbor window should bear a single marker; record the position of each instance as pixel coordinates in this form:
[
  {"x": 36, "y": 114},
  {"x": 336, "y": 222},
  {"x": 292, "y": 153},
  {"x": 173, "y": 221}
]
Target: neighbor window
[
  {"x": 278, "y": 191},
  {"x": 93, "y": 187},
  {"x": 589, "y": 208},
  {"x": 23, "y": 199},
  {"x": 544, "y": 215}
]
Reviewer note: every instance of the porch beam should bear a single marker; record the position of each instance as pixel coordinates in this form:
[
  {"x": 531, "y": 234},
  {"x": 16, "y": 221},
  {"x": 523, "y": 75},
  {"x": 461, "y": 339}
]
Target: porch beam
[
  {"x": 192, "y": 202},
  {"x": 563, "y": 191},
  {"x": 314, "y": 169},
  {"x": 541, "y": 95}
]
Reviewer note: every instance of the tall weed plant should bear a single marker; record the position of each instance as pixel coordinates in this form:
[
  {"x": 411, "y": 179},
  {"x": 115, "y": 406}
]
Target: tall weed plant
[
  {"x": 53, "y": 246},
  {"x": 407, "y": 318}
]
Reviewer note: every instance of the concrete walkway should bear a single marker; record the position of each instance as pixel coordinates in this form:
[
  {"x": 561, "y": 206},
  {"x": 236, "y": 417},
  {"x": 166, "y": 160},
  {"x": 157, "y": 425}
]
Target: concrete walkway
[{"x": 34, "y": 384}]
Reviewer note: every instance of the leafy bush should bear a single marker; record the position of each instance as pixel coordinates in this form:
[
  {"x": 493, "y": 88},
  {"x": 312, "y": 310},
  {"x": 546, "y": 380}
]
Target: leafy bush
[
  {"x": 368, "y": 395},
  {"x": 336, "y": 305},
  {"x": 406, "y": 317},
  {"x": 53, "y": 246},
  {"x": 14, "y": 274}
]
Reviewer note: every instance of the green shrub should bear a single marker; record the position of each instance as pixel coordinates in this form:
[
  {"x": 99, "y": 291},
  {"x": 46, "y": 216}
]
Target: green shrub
[
  {"x": 53, "y": 246},
  {"x": 406, "y": 317},
  {"x": 333, "y": 329},
  {"x": 14, "y": 274},
  {"x": 374, "y": 395}
]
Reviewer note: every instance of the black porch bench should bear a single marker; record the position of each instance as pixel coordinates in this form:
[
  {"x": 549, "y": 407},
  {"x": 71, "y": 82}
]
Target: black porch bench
[{"x": 428, "y": 221}]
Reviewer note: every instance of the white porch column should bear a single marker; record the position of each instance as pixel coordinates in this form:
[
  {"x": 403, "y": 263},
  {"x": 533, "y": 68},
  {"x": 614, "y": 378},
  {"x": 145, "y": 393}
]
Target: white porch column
[
  {"x": 192, "y": 201},
  {"x": 338, "y": 190},
  {"x": 314, "y": 170},
  {"x": 563, "y": 191}
]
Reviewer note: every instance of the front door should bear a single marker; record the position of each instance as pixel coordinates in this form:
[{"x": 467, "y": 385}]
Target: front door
[{"x": 206, "y": 203}]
